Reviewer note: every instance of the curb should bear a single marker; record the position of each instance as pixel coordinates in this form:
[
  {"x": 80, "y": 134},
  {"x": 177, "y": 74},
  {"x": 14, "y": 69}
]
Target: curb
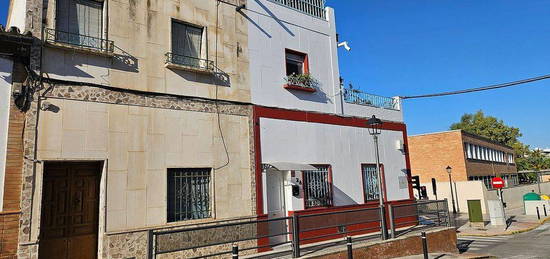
[{"x": 539, "y": 223}]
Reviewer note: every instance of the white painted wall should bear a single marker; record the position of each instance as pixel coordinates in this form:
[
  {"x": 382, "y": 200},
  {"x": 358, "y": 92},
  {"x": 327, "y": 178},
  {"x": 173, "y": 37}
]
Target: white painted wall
[
  {"x": 344, "y": 148},
  {"x": 272, "y": 29},
  {"x": 368, "y": 111},
  {"x": 476, "y": 190},
  {"x": 16, "y": 15},
  {"x": 6, "y": 68}
]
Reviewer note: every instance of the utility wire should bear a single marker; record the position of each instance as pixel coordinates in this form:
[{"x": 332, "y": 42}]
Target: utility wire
[{"x": 484, "y": 88}]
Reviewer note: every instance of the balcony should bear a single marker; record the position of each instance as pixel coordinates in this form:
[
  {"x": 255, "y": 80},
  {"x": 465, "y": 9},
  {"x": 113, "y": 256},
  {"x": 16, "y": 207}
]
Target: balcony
[
  {"x": 355, "y": 96},
  {"x": 79, "y": 42},
  {"x": 191, "y": 64},
  {"x": 315, "y": 8}
]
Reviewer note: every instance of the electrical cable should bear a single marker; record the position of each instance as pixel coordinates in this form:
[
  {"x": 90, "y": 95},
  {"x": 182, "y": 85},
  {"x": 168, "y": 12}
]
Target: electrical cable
[
  {"x": 478, "y": 89},
  {"x": 217, "y": 87}
]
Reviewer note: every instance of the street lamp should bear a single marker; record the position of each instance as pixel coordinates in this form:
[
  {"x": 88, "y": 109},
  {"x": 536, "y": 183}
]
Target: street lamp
[
  {"x": 449, "y": 171},
  {"x": 375, "y": 128}
]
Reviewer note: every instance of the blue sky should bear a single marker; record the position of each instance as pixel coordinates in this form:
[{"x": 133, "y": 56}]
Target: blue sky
[
  {"x": 405, "y": 47},
  {"x": 409, "y": 47}
]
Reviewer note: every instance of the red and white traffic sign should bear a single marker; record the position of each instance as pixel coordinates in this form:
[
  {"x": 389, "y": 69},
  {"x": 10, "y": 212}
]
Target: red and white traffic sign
[{"x": 497, "y": 182}]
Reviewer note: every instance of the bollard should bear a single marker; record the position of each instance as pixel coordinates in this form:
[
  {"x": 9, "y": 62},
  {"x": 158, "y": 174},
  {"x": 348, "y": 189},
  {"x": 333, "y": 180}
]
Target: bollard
[
  {"x": 295, "y": 236},
  {"x": 425, "y": 245},
  {"x": 544, "y": 207},
  {"x": 538, "y": 213},
  {"x": 235, "y": 252},
  {"x": 350, "y": 248}
]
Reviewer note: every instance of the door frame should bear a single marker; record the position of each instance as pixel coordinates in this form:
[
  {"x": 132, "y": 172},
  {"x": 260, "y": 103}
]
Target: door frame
[
  {"x": 282, "y": 175},
  {"x": 36, "y": 206}
]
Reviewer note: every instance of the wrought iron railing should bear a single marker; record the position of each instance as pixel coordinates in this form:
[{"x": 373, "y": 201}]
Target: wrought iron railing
[
  {"x": 405, "y": 218},
  {"x": 355, "y": 96},
  {"x": 79, "y": 40},
  {"x": 250, "y": 235},
  {"x": 192, "y": 62},
  {"x": 315, "y": 8}
]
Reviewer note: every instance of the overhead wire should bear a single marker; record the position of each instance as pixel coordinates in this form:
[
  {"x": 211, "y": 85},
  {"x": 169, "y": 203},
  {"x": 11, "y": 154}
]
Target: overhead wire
[{"x": 478, "y": 89}]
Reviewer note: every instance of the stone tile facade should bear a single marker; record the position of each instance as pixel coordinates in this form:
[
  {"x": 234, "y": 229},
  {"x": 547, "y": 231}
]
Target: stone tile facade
[{"x": 140, "y": 118}]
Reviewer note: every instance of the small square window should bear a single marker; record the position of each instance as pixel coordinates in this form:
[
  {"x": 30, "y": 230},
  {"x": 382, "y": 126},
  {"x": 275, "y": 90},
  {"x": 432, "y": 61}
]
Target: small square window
[
  {"x": 317, "y": 187},
  {"x": 370, "y": 182},
  {"x": 188, "y": 194},
  {"x": 296, "y": 63}
]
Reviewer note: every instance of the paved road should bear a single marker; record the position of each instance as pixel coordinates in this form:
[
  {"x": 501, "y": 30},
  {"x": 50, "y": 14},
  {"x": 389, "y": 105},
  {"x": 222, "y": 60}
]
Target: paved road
[{"x": 529, "y": 245}]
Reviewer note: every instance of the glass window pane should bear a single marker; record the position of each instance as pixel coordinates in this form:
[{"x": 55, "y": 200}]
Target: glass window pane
[{"x": 188, "y": 194}]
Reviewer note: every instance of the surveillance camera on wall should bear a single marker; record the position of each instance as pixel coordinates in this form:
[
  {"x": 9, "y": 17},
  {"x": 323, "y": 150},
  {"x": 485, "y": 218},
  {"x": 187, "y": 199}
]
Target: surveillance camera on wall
[{"x": 345, "y": 45}]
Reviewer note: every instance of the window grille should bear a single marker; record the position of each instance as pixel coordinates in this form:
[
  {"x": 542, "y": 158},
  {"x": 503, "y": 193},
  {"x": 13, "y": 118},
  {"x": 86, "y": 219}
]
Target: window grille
[
  {"x": 317, "y": 187},
  {"x": 370, "y": 182},
  {"x": 188, "y": 194}
]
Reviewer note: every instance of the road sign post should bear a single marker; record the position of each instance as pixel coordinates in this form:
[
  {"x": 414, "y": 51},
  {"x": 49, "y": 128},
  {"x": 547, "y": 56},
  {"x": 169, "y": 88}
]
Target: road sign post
[{"x": 498, "y": 183}]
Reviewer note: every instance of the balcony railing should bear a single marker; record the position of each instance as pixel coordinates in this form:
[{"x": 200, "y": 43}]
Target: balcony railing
[
  {"x": 355, "y": 96},
  {"x": 79, "y": 40},
  {"x": 191, "y": 63},
  {"x": 315, "y": 8}
]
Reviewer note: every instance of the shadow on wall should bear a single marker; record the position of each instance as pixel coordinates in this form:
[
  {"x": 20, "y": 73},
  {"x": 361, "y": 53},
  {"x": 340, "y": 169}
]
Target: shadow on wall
[
  {"x": 270, "y": 13},
  {"x": 125, "y": 61},
  {"x": 340, "y": 198},
  {"x": 218, "y": 78},
  {"x": 318, "y": 96},
  {"x": 255, "y": 24}
]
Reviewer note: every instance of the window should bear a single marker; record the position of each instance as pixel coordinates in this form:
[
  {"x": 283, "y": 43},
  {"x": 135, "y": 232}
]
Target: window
[
  {"x": 188, "y": 194},
  {"x": 80, "y": 22},
  {"x": 370, "y": 182},
  {"x": 296, "y": 63},
  {"x": 317, "y": 187},
  {"x": 188, "y": 45}
]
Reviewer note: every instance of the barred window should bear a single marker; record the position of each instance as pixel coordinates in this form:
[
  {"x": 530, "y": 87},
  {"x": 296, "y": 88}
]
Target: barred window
[
  {"x": 188, "y": 194},
  {"x": 370, "y": 182},
  {"x": 317, "y": 187}
]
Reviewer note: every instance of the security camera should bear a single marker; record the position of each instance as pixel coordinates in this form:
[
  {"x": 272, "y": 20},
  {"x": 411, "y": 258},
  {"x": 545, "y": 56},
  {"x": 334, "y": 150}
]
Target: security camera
[{"x": 345, "y": 45}]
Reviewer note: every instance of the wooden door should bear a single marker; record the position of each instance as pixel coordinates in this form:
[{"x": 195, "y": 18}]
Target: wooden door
[{"x": 70, "y": 210}]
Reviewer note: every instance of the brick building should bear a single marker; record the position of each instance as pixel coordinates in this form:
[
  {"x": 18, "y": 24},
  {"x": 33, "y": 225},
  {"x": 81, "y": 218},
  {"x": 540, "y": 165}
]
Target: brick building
[{"x": 472, "y": 157}]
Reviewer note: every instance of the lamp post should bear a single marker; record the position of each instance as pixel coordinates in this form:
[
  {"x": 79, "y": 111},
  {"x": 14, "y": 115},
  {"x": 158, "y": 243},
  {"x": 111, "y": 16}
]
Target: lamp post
[
  {"x": 449, "y": 171},
  {"x": 375, "y": 125}
]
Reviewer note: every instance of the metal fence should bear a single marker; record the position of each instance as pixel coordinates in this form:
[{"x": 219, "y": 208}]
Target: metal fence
[
  {"x": 357, "y": 97},
  {"x": 288, "y": 235},
  {"x": 79, "y": 40},
  {"x": 422, "y": 214},
  {"x": 196, "y": 63},
  {"x": 315, "y": 8}
]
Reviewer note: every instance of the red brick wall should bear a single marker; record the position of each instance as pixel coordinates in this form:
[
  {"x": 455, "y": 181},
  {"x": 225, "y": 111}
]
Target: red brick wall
[
  {"x": 9, "y": 215},
  {"x": 431, "y": 153},
  {"x": 9, "y": 231}
]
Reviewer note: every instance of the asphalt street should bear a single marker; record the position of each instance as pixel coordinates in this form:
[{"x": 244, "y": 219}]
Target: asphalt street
[{"x": 528, "y": 245}]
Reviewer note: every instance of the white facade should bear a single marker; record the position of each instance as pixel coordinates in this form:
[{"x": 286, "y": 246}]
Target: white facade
[
  {"x": 273, "y": 28},
  {"x": 344, "y": 148},
  {"x": 6, "y": 67}
]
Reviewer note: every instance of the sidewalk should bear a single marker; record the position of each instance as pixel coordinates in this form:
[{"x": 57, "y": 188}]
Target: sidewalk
[
  {"x": 517, "y": 223},
  {"x": 448, "y": 256}
]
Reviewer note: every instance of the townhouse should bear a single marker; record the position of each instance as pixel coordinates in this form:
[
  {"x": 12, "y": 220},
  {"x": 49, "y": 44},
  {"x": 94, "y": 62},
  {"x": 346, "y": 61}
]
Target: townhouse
[
  {"x": 150, "y": 115},
  {"x": 314, "y": 153}
]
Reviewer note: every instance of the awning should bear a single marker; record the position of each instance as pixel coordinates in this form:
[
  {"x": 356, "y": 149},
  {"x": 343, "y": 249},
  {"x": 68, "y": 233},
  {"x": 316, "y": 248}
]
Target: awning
[{"x": 287, "y": 166}]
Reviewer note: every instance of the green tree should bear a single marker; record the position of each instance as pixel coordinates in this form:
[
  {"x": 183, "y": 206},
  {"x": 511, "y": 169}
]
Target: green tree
[{"x": 496, "y": 130}]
